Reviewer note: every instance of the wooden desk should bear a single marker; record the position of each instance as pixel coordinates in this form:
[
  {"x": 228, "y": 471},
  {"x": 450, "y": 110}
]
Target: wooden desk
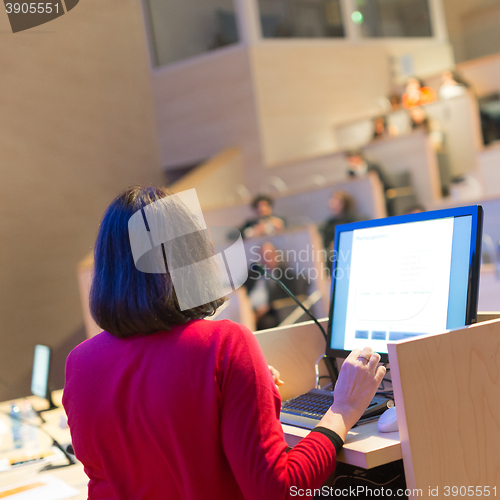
[
  {"x": 72, "y": 475},
  {"x": 365, "y": 446},
  {"x": 294, "y": 350}
]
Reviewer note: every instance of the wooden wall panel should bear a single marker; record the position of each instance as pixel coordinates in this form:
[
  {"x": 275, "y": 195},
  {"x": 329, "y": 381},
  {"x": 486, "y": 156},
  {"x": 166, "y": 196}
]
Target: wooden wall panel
[
  {"x": 446, "y": 391},
  {"x": 217, "y": 180},
  {"x": 205, "y": 105},
  {"x": 303, "y": 90},
  {"x": 76, "y": 127},
  {"x": 410, "y": 153}
]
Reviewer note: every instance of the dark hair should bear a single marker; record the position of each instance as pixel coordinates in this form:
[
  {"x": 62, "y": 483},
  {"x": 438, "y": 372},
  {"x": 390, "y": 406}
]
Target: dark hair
[
  {"x": 347, "y": 200},
  {"x": 262, "y": 197},
  {"x": 354, "y": 152},
  {"x": 419, "y": 80},
  {"x": 125, "y": 301},
  {"x": 414, "y": 209}
]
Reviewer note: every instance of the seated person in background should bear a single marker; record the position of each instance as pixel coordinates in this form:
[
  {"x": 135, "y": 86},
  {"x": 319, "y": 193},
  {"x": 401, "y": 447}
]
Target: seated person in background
[
  {"x": 395, "y": 100},
  {"x": 341, "y": 205},
  {"x": 421, "y": 121},
  {"x": 417, "y": 94},
  {"x": 264, "y": 293},
  {"x": 415, "y": 209},
  {"x": 342, "y": 208},
  {"x": 358, "y": 166},
  {"x": 266, "y": 223},
  {"x": 166, "y": 405},
  {"x": 452, "y": 85},
  {"x": 380, "y": 129}
]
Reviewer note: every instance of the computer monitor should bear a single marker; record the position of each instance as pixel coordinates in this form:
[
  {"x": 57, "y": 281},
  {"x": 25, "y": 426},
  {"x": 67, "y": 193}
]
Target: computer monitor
[
  {"x": 40, "y": 374},
  {"x": 404, "y": 276}
]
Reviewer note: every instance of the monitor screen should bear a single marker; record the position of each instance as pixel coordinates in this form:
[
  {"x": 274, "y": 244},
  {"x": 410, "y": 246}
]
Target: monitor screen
[
  {"x": 404, "y": 276},
  {"x": 40, "y": 375}
]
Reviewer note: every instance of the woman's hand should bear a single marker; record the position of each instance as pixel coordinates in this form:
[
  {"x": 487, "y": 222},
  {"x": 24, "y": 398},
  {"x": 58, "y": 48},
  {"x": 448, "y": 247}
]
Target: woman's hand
[
  {"x": 275, "y": 374},
  {"x": 358, "y": 381}
]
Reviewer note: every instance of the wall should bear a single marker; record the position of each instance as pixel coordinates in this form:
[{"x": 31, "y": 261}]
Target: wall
[
  {"x": 184, "y": 28},
  {"x": 409, "y": 153},
  {"x": 304, "y": 89},
  {"x": 457, "y": 12},
  {"x": 481, "y": 31},
  {"x": 216, "y": 181},
  {"x": 421, "y": 58},
  {"x": 483, "y": 74},
  {"x": 76, "y": 127},
  {"x": 206, "y": 105},
  {"x": 278, "y": 101},
  {"x": 489, "y": 161}
]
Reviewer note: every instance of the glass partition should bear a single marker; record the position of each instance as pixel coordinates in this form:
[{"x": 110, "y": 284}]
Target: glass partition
[
  {"x": 301, "y": 18},
  {"x": 393, "y": 18},
  {"x": 180, "y": 29}
]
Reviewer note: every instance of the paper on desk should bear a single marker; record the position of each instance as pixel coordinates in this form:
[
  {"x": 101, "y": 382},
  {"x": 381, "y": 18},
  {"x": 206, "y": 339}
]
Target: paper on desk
[
  {"x": 24, "y": 459},
  {"x": 45, "y": 488}
]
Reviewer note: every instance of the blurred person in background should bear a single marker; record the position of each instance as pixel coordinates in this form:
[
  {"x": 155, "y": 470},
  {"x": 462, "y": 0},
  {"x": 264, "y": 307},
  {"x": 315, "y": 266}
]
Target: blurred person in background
[
  {"x": 395, "y": 101},
  {"x": 380, "y": 129},
  {"x": 421, "y": 121},
  {"x": 342, "y": 207},
  {"x": 417, "y": 94},
  {"x": 265, "y": 223},
  {"x": 358, "y": 166},
  {"x": 265, "y": 294},
  {"x": 415, "y": 209},
  {"x": 452, "y": 85}
]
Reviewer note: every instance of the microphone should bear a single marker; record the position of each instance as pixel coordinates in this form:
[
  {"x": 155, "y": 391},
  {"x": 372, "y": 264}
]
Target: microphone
[
  {"x": 261, "y": 271},
  {"x": 55, "y": 442}
]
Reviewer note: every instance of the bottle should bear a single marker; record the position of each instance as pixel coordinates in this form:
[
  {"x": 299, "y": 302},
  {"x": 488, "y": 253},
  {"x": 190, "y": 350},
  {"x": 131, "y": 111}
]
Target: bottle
[
  {"x": 15, "y": 416},
  {"x": 29, "y": 433}
]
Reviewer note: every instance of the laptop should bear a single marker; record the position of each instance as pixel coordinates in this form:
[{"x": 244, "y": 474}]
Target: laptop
[{"x": 394, "y": 279}]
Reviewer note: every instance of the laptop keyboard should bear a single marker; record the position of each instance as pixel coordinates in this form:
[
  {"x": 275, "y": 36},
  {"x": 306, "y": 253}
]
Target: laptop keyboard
[{"x": 308, "y": 409}]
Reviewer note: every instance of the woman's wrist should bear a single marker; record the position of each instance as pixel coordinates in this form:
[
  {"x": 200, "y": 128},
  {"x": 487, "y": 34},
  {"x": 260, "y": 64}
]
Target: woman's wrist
[{"x": 337, "y": 421}]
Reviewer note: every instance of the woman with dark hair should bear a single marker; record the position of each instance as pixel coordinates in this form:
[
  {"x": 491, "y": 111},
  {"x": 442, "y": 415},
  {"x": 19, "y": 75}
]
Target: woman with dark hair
[{"x": 164, "y": 404}]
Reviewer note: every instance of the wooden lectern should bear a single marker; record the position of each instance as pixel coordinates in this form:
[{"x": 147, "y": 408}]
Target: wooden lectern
[{"x": 447, "y": 393}]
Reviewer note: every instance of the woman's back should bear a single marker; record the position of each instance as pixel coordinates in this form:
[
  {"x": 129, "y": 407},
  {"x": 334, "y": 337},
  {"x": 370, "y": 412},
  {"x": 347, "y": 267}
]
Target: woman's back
[
  {"x": 146, "y": 422},
  {"x": 186, "y": 414},
  {"x": 171, "y": 406}
]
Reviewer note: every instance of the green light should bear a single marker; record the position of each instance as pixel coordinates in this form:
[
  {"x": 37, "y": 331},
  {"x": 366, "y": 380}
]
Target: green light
[{"x": 357, "y": 17}]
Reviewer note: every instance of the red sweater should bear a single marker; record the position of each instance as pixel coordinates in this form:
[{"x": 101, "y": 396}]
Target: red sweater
[{"x": 190, "y": 414}]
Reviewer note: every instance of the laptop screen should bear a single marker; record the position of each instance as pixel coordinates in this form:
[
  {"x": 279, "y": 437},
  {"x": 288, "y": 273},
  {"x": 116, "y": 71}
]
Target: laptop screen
[{"x": 404, "y": 276}]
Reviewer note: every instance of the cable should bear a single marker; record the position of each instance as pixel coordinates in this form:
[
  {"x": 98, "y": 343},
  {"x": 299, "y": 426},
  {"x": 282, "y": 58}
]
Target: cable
[
  {"x": 259, "y": 268},
  {"x": 331, "y": 364}
]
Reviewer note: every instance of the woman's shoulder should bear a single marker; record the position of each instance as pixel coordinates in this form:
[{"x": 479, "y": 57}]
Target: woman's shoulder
[
  {"x": 223, "y": 326},
  {"x": 92, "y": 343}
]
